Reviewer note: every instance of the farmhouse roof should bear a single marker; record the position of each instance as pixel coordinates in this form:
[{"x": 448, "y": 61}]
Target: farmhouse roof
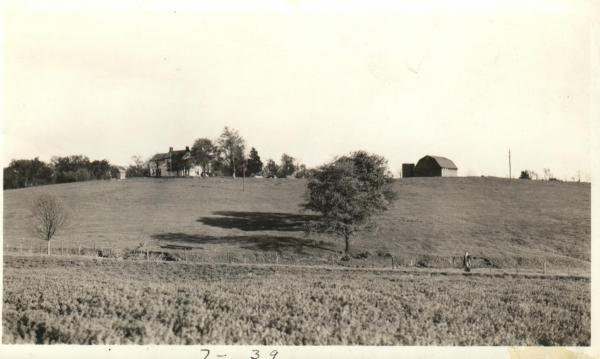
[
  {"x": 160, "y": 156},
  {"x": 444, "y": 162},
  {"x": 175, "y": 155}
]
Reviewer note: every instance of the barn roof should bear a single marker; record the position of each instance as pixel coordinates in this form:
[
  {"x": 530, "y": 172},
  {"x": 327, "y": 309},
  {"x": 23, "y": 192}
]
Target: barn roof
[{"x": 444, "y": 162}]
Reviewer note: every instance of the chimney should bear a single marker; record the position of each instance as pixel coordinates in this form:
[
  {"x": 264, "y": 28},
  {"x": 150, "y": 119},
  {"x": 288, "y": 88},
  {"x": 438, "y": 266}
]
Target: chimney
[{"x": 170, "y": 149}]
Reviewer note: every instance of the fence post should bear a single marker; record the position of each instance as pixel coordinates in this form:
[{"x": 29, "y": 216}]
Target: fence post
[
  {"x": 544, "y": 265},
  {"x": 392, "y": 262},
  {"x": 79, "y": 249}
]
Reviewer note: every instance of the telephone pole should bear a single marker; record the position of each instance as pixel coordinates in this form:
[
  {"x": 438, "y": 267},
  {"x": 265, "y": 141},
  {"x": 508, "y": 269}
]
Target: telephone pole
[
  {"x": 509, "y": 166},
  {"x": 244, "y": 176}
]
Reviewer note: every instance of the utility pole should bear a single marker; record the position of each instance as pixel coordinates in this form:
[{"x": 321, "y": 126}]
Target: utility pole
[
  {"x": 244, "y": 176},
  {"x": 509, "y": 166}
]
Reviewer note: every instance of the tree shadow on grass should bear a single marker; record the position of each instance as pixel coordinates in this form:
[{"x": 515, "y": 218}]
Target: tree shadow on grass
[
  {"x": 252, "y": 242},
  {"x": 259, "y": 221}
]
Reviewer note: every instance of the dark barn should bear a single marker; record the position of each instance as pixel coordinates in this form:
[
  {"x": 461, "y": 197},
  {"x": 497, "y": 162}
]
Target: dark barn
[{"x": 435, "y": 166}]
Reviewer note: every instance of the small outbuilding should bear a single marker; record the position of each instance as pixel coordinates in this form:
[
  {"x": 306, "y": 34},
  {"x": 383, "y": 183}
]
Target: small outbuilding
[
  {"x": 408, "y": 170},
  {"x": 122, "y": 173},
  {"x": 430, "y": 166}
]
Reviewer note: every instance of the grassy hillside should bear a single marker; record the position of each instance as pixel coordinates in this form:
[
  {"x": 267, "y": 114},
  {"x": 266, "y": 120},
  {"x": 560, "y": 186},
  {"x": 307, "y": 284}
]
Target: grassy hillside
[{"x": 434, "y": 218}]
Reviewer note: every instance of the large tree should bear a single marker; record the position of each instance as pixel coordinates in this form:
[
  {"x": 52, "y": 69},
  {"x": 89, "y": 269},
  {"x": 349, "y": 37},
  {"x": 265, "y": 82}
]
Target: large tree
[
  {"x": 71, "y": 168},
  {"x": 26, "y": 173},
  {"x": 204, "y": 153},
  {"x": 287, "y": 166},
  {"x": 270, "y": 169},
  {"x": 348, "y": 192},
  {"x": 100, "y": 169},
  {"x": 254, "y": 165},
  {"x": 138, "y": 167},
  {"x": 231, "y": 149}
]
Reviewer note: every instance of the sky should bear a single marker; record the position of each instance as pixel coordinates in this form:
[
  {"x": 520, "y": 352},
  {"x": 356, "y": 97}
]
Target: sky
[{"x": 469, "y": 82}]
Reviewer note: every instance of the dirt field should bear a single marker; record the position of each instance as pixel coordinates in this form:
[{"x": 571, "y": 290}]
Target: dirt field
[
  {"x": 75, "y": 300},
  {"x": 502, "y": 223}
]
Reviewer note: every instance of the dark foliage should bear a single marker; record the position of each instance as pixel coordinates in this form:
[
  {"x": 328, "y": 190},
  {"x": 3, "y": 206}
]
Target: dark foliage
[
  {"x": 27, "y": 173},
  {"x": 271, "y": 169},
  {"x": 287, "y": 167},
  {"x": 254, "y": 165},
  {"x": 204, "y": 152},
  {"x": 139, "y": 168},
  {"x": 348, "y": 193}
]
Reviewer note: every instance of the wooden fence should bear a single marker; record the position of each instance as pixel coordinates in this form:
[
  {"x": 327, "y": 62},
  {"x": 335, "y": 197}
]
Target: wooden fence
[{"x": 540, "y": 265}]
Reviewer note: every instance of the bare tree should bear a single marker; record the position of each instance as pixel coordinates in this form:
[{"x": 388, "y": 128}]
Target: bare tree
[{"x": 48, "y": 215}]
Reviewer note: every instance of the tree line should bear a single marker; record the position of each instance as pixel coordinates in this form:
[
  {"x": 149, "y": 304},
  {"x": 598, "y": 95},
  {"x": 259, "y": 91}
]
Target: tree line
[
  {"x": 75, "y": 168},
  {"x": 226, "y": 156}
]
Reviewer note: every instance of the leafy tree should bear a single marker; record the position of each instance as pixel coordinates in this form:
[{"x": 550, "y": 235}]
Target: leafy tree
[
  {"x": 204, "y": 152},
  {"x": 348, "y": 192},
  {"x": 71, "y": 168},
  {"x": 302, "y": 171},
  {"x": 48, "y": 216},
  {"x": 254, "y": 165},
  {"x": 99, "y": 169},
  {"x": 217, "y": 168},
  {"x": 115, "y": 172},
  {"x": 231, "y": 149},
  {"x": 11, "y": 178},
  {"x": 26, "y": 173},
  {"x": 271, "y": 169},
  {"x": 525, "y": 175},
  {"x": 287, "y": 166},
  {"x": 139, "y": 168}
]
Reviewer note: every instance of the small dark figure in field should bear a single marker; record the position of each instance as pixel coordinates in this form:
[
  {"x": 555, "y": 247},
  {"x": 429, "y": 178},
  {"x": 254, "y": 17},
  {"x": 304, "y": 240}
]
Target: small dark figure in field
[{"x": 467, "y": 262}]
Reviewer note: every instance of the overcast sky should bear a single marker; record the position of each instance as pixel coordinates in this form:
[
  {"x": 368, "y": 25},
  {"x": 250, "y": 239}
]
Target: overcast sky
[{"x": 468, "y": 84}]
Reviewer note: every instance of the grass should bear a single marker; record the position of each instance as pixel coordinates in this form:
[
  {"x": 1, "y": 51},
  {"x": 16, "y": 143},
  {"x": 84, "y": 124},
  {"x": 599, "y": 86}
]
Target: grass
[
  {"x": 90, "y": 301},
  {"x": 502, "y": 223}
]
